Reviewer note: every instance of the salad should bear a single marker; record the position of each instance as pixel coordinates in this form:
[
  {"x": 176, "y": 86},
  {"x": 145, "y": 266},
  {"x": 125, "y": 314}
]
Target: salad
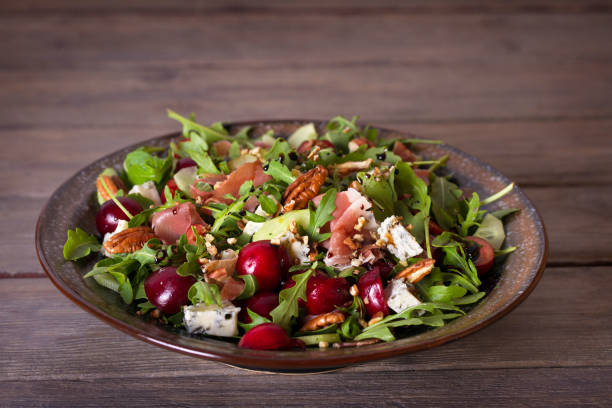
[{"x": 335, "y": 238}]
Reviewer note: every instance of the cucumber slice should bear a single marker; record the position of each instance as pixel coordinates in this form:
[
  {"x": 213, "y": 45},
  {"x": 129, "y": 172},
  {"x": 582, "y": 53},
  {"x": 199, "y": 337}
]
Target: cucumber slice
[
  {"x": 491, "y": 230},
  {"x": 315, "y": 339},
  {"x": 302, "y": 134}
]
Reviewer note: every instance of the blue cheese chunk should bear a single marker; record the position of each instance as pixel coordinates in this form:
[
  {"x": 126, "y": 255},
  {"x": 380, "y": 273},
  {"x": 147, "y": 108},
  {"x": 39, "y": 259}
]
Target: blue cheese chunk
[
  {"x": 399, "y": 297},
  {"x": 212, "y": 319},
  {"x": 399, "y": 241},
  {"x": 297, "y": 247},
  {"x": 147, "y": 190}
]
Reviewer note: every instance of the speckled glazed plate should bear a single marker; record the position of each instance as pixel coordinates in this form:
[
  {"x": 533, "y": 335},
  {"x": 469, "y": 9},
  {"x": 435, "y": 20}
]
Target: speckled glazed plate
[{"x": 74, "y": 205}]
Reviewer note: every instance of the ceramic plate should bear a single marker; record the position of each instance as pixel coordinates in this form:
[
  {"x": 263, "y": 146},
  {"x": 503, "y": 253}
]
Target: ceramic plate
[{"x": 74, "y": 205}]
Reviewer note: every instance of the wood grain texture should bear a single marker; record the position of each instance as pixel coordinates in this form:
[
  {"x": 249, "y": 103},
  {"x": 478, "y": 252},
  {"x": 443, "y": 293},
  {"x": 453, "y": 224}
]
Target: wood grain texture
[
  {"x": 74, "y": 351},
  {"x": 73, "y": 345},
  {"x": 525, "y": 85},
  {"x": 301, "y": 65}
]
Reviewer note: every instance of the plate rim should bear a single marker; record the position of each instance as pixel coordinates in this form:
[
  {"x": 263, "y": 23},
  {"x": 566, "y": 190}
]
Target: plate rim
[{"x": 269, "y": 360}]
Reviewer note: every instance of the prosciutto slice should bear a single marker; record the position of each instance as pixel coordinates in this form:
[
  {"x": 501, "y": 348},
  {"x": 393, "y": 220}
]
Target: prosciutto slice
[
  {"x": 169, "y": 224},
  {"x": 350, "y": 205},
  {"x": 248, "y": 171}
]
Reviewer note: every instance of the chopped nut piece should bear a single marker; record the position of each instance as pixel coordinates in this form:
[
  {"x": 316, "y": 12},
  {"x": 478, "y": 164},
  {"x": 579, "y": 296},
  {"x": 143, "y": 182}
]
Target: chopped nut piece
[
  {"x": 354, "y": 291},
  {"x": 209, "y": 238},
  {"x": 323, "y": 344},
  {"x": 376, "y": 318},
  {"x": 323, "y": 320},
  {"x": 212, "y": 250},
  {"x": 275, "y": 241},
  {"x": 314, "y": 154},
  {"x": 358, "y": 237},
  {"x": 232, "y": 240},
  {"x": 293, "y": 227},
  {"x": 350, "y": 243},
  {"x": 356, "y": 262},
  {"x": 417, "y": 271},
  {"x": 361, "y": 221}
]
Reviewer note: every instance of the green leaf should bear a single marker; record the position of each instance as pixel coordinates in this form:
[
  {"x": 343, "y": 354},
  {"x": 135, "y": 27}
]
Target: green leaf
[
  {"x": 469, "y": 299},
  {"x": 470, "y": 216},
  {"x": 442, "y": 293},
  {"x": 116, "y": 282},
  {"x": 256, "y": 320},
  {"x": 322, "y": 215},
  {"x": 445, "y": 202},
  {"x": 141, "y": 218},
  {"x": 279, "y": 172},
  {"x": 288, "y": 300},
  {"x": 197, "y": 148},
  {"x": 501, "y": 214},
  {"x": 147, "y": 255},
  {"x": 202, "y": 292},
  {"x": 315, "y": 339},
  {"x": 143, "y": 201},
  {"x": 381, "y": 195},
  {"x": 80, "y": 244},
  {"x": 234, "y": 150},
  {"x": 210, "y": 134},
  {"x": 250, "y": 286},
  {"x": 140, "y": 167}
]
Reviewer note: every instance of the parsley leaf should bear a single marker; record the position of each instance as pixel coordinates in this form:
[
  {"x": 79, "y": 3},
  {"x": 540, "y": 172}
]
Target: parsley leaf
[
  {"x": 322, "y": 215},
  {"x": 79, "y": 244}
]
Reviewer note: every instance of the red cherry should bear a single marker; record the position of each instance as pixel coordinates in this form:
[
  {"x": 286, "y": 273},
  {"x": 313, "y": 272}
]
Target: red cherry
[
  {"x": 261, "y": 303},
  {"x": 109, "y": 214},
  {"x": 264, "y": 261},
  {"x": 371, "y": 291},
  {"x": 184, "y": 163},
  {"x": 313, "y": 281},
  {"x": 200, "y": 230},
  {"x": 482, "y": 254},
  {"x": 383, "y": 268},
  {"x": 325, "y": 294},
  {"x": 171, "y": 184},
  {"x": 268, "y": 336},
  {"x": 167, "y": 290}
]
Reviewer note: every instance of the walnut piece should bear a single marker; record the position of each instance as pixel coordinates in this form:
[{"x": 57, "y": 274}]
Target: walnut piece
[
  {"x": 304, "y": 188},
  {"x": 129, "y": 240},
  {"x": 417, "y": 271},
  {"x": 323, "y": 320}
]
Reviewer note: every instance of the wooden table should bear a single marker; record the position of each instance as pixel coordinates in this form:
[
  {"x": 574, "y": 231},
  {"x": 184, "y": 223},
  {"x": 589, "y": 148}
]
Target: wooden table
[{"x": 527, "y": 86}]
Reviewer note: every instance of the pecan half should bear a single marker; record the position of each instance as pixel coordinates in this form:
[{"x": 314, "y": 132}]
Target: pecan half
[
  {"x": 304, "y": 188},
  {"x": 323, "y": 320},
  {"x": 113, "y": 183},
  {"x": 129, "y": 240},
  {"x": 417, "y": 271}
]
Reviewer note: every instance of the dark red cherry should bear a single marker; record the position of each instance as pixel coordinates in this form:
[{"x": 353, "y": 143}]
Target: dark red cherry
[
  {"x": 268, "y": 336},
  {"x": 264, "y": 261},
  {"x": 261, "y": 303},
  {"x": 481, "y": 253},
  {"x": 109, "y": 214},
  {"x": 171, "y": 184},
  {"x": 184, "y": 163},
  {"x": 371, "y": 291},
  {"x": 383, "y": 268},
  {"x": 325, "y": 294},
  {"x": 167, "y": 290}
]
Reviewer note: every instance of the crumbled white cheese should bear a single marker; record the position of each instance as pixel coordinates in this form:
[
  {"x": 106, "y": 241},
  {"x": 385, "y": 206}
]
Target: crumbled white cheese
[
  {"x": 399, "y": 297},
  {"x": 121, "y": 226},
  {"x": 147, "y": 190},
  {"x": 296, "y": 247},
  {"x": 212, "y": 319},
  {"x": 399, "y": 240},
  {"x": 252, "y": 227}
]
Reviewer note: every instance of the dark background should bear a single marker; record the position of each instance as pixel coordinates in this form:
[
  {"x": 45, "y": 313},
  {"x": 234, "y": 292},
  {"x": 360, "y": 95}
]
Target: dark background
[{"x": 525, "y": 85}]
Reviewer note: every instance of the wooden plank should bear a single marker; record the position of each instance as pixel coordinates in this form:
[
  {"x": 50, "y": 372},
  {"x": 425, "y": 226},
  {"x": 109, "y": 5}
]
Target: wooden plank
[
  {"x": 534, "y": 388},
  {"x": 564, "y": 323},
  {"x": 313, "y": 6},
  {"x": 419, "y": 67}
]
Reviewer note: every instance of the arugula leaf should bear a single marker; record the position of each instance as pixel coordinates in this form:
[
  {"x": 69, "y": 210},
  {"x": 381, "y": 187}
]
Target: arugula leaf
[
  {"x": 202, "y": 292},
  {"x": 381, "y": 194},
  {"x": 279, "y": 172},
  {"x": 340, "y": 131},
  {"x": 445, "y": 202},
  {"x": 288, "y": 300},
  {"x": 210, "y": 134},
  {"x": 117, "y": 282},
  {"x": 469, "y": 299},
  {"x": 501, "y": 214},
  {"x": 267, "y": 204},
  {"x": 321, "y": 216},
  {"x": 80, "y": 244},
  {"x": 250, "y": 286},
  {"x": 256, "y": 320},
  {"x": 470, "y": 216},
  {"x": 443, "y": 293},
  {"x": 280, "y": 148},
  {"x": 140, "y": 167},
  {"x": 197, "y": 148}
]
